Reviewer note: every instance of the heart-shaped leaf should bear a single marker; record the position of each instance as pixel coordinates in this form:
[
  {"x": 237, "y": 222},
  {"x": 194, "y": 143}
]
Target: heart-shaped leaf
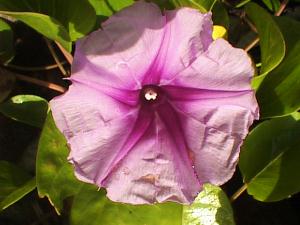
[
  {"x": 269, "y": 159},
  {"x": 54, "y": 175}
]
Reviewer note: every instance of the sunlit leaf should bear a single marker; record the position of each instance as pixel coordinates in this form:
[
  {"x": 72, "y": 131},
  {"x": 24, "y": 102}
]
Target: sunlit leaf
[
  {"x": 54, "y": 175},
  {"x": 60, "y": 20},
  {"x": 272, "y": 5},
  {"x": 202, "y": 5},
  {"x": 211, "y": 207},
  {"x": 91, "y": 207},
  {"x": 272, "y": 45},
  {"x": 44, "y": 24},
  {"x": 6, "y": 42},
  {"x": 279, "y": 93},
  {"x": 269, "y": 159},
  {"x": 29, "y": 109}
]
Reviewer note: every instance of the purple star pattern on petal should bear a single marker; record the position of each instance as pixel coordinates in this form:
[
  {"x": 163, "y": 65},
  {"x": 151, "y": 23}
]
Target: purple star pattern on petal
[{"x": 156, "y": 107}]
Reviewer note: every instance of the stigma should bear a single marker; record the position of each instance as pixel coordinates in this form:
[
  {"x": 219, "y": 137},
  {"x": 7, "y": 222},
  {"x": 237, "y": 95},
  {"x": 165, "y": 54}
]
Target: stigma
[{"x": 150, "y": 95}]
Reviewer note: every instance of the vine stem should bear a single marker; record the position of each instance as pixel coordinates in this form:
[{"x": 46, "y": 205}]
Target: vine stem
[
  {"x": 67, "y": 55},
  {"x": 41, "y": 83},
  {"x": 281, "y": 7},
  {"x": 55, "y": 57},
  {"x": 238, "y": 193},
  {"x": 33, "y": 68},
  {"x": 278, "y": 13}
]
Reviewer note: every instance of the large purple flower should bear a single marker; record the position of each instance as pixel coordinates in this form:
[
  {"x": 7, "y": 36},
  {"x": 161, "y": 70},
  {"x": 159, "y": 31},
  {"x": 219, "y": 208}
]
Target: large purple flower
[{"x": 156, "y": 107}]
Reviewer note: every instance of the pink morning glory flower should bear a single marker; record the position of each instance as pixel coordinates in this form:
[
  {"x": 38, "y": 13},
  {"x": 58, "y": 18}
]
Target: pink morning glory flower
[{"x": 156, "y": 107}]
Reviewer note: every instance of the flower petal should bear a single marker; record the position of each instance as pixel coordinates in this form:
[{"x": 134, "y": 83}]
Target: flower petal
[
  {"x": 121, "y": 53},
  {"x": 221, "y": 67},
  {"x": 95, "y": 126},
  {"x": 157, "y": 169},
  {"x": 214, "y": 130},
  {"x": 187, "y": 34}
]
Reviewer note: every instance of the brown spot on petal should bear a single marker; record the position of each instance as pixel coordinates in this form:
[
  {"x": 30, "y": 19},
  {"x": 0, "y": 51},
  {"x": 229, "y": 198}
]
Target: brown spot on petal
[
  {"x": 191, "y": 155},
  {"x": 149, "y": 178}
]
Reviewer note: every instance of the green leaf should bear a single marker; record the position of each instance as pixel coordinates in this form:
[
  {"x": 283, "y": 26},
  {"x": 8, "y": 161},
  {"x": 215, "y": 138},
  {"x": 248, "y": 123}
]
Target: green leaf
[
  {"x": 220, "y": 15},
  {"x": 29, "y": 109},
  {"x": 14, "y": 184},
  {"x": 54, "y": 175},
  {"x": 109, "y": 7},
  {"x": 19, "y": 193},
  {"x": 6, "y": 42},
  {"x": 269, "y": 160},
  {"x": 211, "y": 207},
  {"x": 46, "y": 25},
  {"x": 60, "y": 20},
  {"x": 272, "y": 5},
  {"x": 105, "y": 8},
  {"x": 91, "y": 207},
  {"x": 7, "y": 81},
  {"x": 202, "y": 5},
  {"x": 272, "y": 45},
  {"x": 279, "y": 93}
]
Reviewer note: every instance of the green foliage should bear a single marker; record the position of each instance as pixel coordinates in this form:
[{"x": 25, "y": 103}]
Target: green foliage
[
  {"x": 7, "y": 81},
  {"x": 59, "y": 20},
  {"x": 29, "y": 109},
  {"x": 272, "y": 5},
  {"x": 269, "y": 159},
  {"x": 6, "y": 42},
  {"x": 279, "y": 93},
  {"x": 202, "y": 5},
  {"x": 105, "y": 8},
  {"x": 14, "y": 184},
  {"x": 91, "y": 207},
  {"x": 272, "y": 45},
  {"x": 211, "y": 207},
  {"x": 54, "y": 175}
]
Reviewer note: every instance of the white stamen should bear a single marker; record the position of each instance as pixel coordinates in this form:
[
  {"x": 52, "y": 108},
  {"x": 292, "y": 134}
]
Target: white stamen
[{"x": 150, "y": 95}]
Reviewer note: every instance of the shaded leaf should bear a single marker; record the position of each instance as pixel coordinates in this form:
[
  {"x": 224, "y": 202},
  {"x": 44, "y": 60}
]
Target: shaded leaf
[
  {"x": 17, "y": 194},
  {"x": 211, "y": 207},
  {"x": 279, "y": 93},
  {"x": 220, "y": 15},
  {"x": 54, "y": 175},
  {"x": 91, "y": 207},
  {"x": 272, "y": 45},
  {"x": 14, "y": 184},
  {"x": 269, "y": 160},
  {"x": 29, "y": 109},
  {"x": 6, "y": 42},
  {"x": 7, "y": 81}
]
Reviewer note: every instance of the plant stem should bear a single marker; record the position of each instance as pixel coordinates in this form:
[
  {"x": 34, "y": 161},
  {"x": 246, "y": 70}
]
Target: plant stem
[
  {"x": 281, "y": 7},
  {"x": 55, "y": 57},
  {"x": 34, "y": 68},
  {"x": 238, "y": 193},
  {"x": 67, "y": 55},
  {"x": 278, "y": 13},
  {"x": 42, "y": 83}
]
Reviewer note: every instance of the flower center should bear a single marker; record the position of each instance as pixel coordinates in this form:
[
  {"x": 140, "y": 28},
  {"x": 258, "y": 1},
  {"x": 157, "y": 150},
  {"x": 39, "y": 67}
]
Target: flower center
[{"x": 151, "y": 94}]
